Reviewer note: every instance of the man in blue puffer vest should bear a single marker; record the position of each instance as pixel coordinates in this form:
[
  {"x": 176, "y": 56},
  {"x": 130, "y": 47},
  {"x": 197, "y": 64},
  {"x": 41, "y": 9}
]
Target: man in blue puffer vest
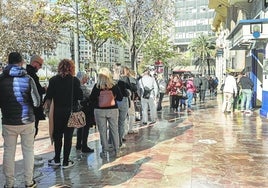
[{"x": 18, "y": 96}]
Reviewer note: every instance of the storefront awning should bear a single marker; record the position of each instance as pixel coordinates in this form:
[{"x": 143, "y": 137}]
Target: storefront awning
[
  {"x": 218, "y": 19},
  {"x": 247, "y": 32},
  {"x": 220, "y": 7}
]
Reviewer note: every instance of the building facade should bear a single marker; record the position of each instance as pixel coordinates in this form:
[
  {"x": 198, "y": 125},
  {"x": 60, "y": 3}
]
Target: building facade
[
  {"x": 192, "y": 18},
  {"x": 245, "y": 24}
]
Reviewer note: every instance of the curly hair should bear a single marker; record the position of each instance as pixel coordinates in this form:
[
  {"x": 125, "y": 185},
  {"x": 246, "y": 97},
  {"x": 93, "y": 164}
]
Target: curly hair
[{"x": 66, "y": 67}]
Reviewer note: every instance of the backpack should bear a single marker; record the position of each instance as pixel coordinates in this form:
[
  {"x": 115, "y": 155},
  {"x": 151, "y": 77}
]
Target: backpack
[
  {"x": 146, "y": 91},
  {"x": 106, "y": 98}
]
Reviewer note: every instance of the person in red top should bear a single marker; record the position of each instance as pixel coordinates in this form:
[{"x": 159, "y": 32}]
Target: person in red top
[
  {"x": 175, "y": 90},
  {"x": 190, "y": 92}
]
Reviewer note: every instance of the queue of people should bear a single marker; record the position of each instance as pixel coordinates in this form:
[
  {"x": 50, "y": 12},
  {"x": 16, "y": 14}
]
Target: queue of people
[{"x": 111, "y": 106}]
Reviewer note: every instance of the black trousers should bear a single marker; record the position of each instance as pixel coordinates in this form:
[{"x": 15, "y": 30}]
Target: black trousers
[
  {"x": 82, "y": 136},
  {"x": 202, "y": 95},
  {"x": 61, "y": 131},
  {"x": 159, "y": 105}
]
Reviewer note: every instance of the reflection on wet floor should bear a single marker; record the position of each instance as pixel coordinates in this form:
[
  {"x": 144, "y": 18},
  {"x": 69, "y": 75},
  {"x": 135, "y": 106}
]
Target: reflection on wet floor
[{"x": 204, "y": 148}]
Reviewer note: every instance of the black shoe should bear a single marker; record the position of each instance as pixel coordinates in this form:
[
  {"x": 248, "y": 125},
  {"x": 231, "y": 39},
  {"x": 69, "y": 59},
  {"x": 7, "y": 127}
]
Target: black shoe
[
  {"x": 87, "y": 150},
  {"x": 32, "y": 185},
  {"x": 78, "y": 147},
  {"x": 52, "y": 162},
  {"x": 123, "y": 139},
  {"x": 153, "y": 122},
  {"x": 144, "y": 123},
  {"x": 5, "y": 186}
]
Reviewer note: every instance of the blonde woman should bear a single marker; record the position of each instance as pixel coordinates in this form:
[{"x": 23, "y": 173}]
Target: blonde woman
[
  {"x": 106, "y": 111},
  {"x": 130, "y": 74}
]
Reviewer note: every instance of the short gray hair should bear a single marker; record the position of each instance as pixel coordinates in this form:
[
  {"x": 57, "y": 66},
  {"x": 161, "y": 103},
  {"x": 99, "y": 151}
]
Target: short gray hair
[{"x": 81, "y": 74}]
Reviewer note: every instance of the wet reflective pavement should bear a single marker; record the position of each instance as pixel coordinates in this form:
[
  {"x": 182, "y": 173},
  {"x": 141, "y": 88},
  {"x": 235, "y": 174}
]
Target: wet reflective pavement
[{"x": 202, "y": 149}]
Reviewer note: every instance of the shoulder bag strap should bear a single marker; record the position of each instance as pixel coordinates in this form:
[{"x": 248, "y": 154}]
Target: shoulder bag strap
[{"x": 72, "y": 94}]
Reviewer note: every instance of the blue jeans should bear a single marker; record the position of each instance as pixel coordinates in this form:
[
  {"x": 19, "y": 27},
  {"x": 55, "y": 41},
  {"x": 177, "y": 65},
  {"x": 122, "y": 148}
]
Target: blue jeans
[
  {"x": 246, "y": 98},
  {"x": 190, "y": 96}
]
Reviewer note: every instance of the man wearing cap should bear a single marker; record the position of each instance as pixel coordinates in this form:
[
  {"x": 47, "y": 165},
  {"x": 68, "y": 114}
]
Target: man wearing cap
[{"x": 18, "y": 95}]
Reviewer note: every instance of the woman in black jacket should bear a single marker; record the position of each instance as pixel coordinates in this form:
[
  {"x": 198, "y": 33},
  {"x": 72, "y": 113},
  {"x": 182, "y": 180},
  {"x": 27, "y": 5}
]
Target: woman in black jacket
[
  {"x": 106, "y": 95},
  {"x": 59, "y": 90}
]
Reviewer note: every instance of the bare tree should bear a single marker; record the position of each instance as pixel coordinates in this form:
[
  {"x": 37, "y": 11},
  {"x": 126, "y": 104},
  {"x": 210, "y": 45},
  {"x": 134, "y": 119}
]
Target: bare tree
[
  {"x": 138, "y": 18},
  {"x": 25, "y": 28}
]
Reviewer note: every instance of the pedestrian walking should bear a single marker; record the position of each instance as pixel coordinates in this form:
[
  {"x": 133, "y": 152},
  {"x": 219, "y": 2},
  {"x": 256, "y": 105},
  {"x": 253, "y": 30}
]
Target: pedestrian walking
[
  {"x": 190, "y": 92},
  {"x": 65, "y": 91},
  {"x": 197, "y": 83},
  {"x": 175, "y": 89},
  {"x": 229, "y": 92},
  {"x": 246, "y": 85},
  {"x": 18, "y": 118},
  {"x": 162, "y": 85},
  {"x": 203, "y": 88}
]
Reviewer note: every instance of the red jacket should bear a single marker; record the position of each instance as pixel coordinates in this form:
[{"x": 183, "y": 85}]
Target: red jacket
[{"x": 174, "y": 87}]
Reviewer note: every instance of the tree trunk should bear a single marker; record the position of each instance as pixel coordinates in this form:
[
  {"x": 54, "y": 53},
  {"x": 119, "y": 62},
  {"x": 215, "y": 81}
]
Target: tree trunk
[
  {"x": 94, "y": 54},
  {"x": 208, "y": 63},
  {"x": 133, "y": 61}
]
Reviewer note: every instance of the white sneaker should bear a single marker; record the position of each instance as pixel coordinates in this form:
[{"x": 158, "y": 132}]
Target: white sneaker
[
  {"x": 123, "y": 146},
  {"x": 118, "y": 154},
  {"x": 38, "y": 158},
  {"x": 68, "y": 165},
  {"x": 130, "y": 132},
  {"x": 248, "y": 112},
  {"x": 38, "y": 163},
  {"x": 135, "y": 131}
]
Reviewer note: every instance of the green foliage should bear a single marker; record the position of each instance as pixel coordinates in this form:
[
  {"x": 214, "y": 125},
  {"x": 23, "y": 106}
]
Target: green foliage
[
  {"x": 53, "y": 64},
  {"x": 180, "y": 59},
  {"x": 88, "y": 18},
  {"x": 24, "y": 27},
  {"x": 158, "y": 48},
  {"x": 203, "y": 51}
]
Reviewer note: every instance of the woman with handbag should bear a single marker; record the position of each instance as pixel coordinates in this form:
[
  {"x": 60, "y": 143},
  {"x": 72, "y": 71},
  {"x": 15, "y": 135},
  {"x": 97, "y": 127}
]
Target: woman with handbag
[
  {"x": 105, "y": 93},
  {"x": 64, "y": 89}
]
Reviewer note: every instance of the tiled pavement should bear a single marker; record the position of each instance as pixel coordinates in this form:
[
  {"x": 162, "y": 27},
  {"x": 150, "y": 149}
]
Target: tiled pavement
[{"x": 203, "y": 149}]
